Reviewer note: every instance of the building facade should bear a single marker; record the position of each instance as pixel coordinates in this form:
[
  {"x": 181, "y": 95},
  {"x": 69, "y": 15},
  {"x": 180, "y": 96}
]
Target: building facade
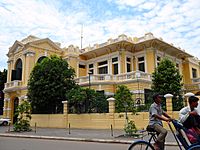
[{"x": 124, "y": 60}]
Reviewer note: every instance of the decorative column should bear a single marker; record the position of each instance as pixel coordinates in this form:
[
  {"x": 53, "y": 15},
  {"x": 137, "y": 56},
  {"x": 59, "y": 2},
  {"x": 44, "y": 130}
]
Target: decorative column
[
  {"x": 169, "y": 103},
  {"x": 8, "y": 108},
  {"x": 9, "y": 70},
  {"x": 5, "y": 107},
  {"x": 111, "y": 103},
  {"x": 186, "y": 96},
  {"x": 29, "y": 62},
  {"x": 65, "y": 113}
]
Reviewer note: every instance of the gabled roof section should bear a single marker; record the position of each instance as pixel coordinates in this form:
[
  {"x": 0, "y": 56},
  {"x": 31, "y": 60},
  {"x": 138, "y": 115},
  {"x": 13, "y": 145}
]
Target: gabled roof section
[
  {"x": 15, "y": 47},
  {"x": 32, "y": 41},
  {"x": 53, "y": 44},
  {"x": 29, "y": 39}
]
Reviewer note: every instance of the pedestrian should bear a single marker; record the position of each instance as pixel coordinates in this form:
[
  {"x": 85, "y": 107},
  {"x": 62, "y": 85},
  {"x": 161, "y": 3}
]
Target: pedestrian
[
  {"x": 189, "y": 116},
  {"x": 156, "y": 116}
]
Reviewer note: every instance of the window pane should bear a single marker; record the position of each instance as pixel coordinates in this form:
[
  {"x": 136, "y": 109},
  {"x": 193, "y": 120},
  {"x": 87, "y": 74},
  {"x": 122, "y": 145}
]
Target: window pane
[
  {"x": 158, "y": 58},
  {"x": 82, "y": 66},
  {"x": 115, "y": 59},
  {"x": 141, "y": 67},
  {"x": 102, "y": 63},
  {"x": 128, "y": 67},
  {"x": 194, "y": 73},
  {"x": 115, "y": 68},
  {"x": 141, "y": 59},
  {"x": 128, "y": 59},
  {"x": 90, "y": 65},
  {"x": 103, "y": 70}
]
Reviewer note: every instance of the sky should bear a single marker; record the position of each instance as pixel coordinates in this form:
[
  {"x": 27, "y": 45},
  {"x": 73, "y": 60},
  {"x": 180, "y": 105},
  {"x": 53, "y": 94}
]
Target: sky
[{"x": 175, "y": 21}]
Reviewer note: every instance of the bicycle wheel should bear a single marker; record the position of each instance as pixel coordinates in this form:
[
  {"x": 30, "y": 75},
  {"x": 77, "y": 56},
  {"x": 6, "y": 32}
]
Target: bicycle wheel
[
  {"x": 196, "y": 147},
  {"x": 140, "y": 145}
]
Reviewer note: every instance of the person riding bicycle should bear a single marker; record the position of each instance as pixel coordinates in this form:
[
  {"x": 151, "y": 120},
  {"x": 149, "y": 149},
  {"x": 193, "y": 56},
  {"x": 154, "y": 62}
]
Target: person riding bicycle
[
  {"x": 156, "y": 116},
  {"x": 189, "y": 116}
]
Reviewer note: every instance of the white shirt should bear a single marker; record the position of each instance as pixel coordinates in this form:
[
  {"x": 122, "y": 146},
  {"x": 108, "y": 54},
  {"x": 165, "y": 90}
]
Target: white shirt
[
  {"x": 198, "y": 108},
  {"x": 184, "y": 112}
]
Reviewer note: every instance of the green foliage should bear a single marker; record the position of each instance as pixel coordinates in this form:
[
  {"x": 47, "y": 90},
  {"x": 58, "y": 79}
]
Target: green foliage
[
  {"x": 24, "y": 116},
  {"x": 87, "y": 100},
  {"x": 130, "y": 128},
  {"x": 3, "y": 78},
  {"x": 167, "y": 79},
  {"x": 100, "y": 105},
  {"x": 177, "y": 103},
  {"x": 124, "y": 97},
  {"x": 49, "y": 81}
]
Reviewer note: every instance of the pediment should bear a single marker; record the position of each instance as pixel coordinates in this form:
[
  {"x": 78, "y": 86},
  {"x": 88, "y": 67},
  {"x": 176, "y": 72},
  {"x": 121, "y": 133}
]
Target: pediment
[
  {"x": 46, "y": 44},
  {"x": 16, "y": 47}
]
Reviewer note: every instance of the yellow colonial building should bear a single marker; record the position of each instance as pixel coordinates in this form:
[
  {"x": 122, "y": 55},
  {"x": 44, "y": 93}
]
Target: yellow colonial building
[{"x": 123, "y": 60}]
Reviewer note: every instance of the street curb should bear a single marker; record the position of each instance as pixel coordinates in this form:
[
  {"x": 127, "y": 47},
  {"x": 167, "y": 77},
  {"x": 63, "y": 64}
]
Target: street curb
[{"x": 76, "y": 139}]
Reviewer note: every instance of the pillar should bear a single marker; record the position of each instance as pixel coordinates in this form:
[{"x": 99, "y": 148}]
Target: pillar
[
  {"x": 8, "y": 108},
  {"x": 29, "y": 62},
  {"x": 186, "y": 96},
  {"x": 65, "y": 113},
  {"x": 5, "y": 107},
  {"x": 169, "y": 103},
  {"x": 111, "y": 103}
]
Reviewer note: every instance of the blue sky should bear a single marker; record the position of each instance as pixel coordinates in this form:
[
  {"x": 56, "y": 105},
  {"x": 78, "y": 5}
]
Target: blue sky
[{"x": 176, "y": 21}]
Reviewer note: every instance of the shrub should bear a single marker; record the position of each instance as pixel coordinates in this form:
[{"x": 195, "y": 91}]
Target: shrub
[{"x": 130, "y": 128}]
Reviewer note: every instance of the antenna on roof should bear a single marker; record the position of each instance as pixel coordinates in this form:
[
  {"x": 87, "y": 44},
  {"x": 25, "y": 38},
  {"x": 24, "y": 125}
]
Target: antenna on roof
[{"x": 81, "y": 35}]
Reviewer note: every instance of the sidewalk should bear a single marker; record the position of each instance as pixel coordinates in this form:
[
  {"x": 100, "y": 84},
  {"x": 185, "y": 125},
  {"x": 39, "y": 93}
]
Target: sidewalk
[{"x": 88, "y": 135}]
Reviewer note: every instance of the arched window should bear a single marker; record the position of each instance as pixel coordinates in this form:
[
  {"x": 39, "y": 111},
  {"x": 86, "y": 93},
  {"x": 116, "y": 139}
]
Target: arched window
[
  {"x": 17, "y": 73},
  {"x": 40, "y": 59}
]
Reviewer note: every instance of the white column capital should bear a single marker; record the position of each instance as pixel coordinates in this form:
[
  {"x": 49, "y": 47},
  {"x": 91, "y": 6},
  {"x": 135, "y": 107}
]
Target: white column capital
[
  {"x": 168, "y": 95},
  {"x": 111, "y": 99},
  {"x": 64, "y": 102},
  {"x": 189, "y": 94}
]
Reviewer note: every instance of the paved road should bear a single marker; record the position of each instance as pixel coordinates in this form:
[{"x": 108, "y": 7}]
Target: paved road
[{"x": 10, "y": 143}]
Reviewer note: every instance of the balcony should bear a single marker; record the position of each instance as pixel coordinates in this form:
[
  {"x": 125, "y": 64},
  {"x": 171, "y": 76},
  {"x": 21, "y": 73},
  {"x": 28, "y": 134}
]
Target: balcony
[
  {"x": 194, "y": 87},
  {"x": 111, "y": 79},
  {"x": 13, "y": 86}
]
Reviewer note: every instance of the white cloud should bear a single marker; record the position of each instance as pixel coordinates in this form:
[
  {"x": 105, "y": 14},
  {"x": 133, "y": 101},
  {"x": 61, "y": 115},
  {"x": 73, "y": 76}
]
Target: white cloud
[{"x": 175, "y": 21}]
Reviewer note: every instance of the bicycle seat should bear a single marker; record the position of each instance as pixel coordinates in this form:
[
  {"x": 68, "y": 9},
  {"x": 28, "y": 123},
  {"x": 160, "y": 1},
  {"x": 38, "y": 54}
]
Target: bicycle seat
[{"x": 150, "y": 128}]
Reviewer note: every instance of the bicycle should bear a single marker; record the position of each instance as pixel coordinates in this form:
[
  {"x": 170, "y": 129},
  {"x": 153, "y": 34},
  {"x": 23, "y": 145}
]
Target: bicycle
[
  {"x": 145, "y": 145},
  {"x": 180, "y": 137}
]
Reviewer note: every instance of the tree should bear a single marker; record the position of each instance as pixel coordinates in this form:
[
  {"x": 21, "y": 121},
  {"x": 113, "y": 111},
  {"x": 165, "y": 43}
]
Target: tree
[
  {"x": 3, "y": 78},
  {"x": 167, "y": 79},
  {"x": 23, "y": 114},
  {"x": 124, "y": 99},
  {"x": 84, "y": 100},
  {"x": 76, "y": 99},
  {"x": 100, "y": 105},
  {"x": 49, "y": 82}
]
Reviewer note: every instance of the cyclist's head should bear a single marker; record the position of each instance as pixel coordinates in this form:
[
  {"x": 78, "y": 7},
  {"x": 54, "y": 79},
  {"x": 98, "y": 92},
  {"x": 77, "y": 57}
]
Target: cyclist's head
[
  {"x": 193, "y": 100},
  {"x": 157, "y": 97}
]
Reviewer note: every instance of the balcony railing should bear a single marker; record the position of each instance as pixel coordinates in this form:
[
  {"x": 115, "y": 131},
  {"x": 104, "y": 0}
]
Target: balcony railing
[
  {"x": 114, "y": 78},
  {"x": 196, "y": 80},
  {"x": 194, "y": 86},
  {"x": 13, "y": 84}
]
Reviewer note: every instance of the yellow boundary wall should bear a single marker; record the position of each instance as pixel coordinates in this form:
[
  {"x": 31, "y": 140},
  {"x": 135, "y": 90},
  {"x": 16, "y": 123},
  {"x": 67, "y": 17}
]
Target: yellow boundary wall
[{"x": 92, "y": 121}]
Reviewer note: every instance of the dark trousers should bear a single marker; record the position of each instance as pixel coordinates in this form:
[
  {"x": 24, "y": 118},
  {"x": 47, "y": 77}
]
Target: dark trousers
[{"x": 192, "y": 122}]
